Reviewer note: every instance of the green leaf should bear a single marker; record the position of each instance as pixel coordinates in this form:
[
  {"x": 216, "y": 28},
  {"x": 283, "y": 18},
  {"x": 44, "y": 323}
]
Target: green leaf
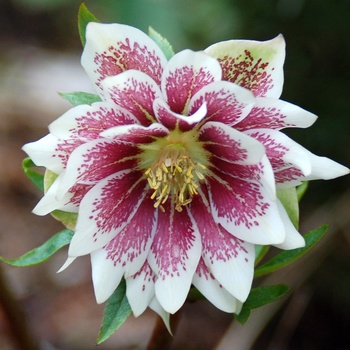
[
  {"x": 289, "y": 199},
  {"x": 288, "y": 256},
  {"x": 77, "y": 98},
  {"x": 34, "y": 176},
  {"x": 84, "y": 18},
  {"x": 161, "y": 42},
  {"x": 42, "y": 253},
  {"x": 259, "y": 297},
  {"x": 116, "y": 312}
]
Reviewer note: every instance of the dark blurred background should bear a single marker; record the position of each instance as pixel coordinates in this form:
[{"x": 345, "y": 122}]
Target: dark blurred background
[{"x": 39, "y": 56}]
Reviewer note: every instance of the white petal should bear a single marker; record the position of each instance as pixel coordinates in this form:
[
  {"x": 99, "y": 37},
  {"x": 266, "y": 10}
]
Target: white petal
[
  {"x": 213, "y": 291},
  {"x": 140, "y": 289},
  {"x": 52, "y": 200},
  {"x": 105, "y": 275},
  {"x": 293, "y": 238},
  {"x": 325, "y": 168},
  {"x": 44, "y": 153},
  {"x": 66, "y": 264},
  {"x": 155, "y": 306}
]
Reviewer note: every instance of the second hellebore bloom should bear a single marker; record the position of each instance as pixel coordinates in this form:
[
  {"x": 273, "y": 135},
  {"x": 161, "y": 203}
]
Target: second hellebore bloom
[{"x": 174, "y": 173}]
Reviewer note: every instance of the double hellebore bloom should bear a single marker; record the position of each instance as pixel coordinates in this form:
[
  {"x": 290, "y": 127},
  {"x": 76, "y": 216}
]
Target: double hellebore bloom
[{"x": 174, "y": 173}]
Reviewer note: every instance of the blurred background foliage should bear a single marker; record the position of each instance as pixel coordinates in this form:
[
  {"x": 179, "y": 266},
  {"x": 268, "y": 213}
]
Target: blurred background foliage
[{"x": 317, "y": 78}]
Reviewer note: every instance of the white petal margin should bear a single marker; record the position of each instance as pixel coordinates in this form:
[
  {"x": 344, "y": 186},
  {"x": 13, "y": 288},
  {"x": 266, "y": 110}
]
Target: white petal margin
[
  {"x": 205, "y": 282},
  {"x": 270, "y": 52},
  {"x": 44, "y": 153},
  {"x": 293, "y": 238},
  {"x": 52, "y": 200},
  {"x": 324, "y": 168},
  {"x": 170, "y": 118},
  {"x": 140, "y": 289},
  {"x": 105, "y": 275},
  {"x": 155, "y": 306}
]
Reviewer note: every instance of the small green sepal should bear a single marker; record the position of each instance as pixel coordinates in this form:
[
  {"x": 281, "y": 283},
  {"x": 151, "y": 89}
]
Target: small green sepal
[
  {"x": 116, "y": 312},
  {"x": 44, "y": 252},
  {"x": 84, "y": 18},
  {"x": 289, "y": 199},
  {"x": 161, "y": 42},
  {"x": 258, "y": 297},
  {"x": 77, "y": 98},
  {"x": 287, "y": 257}
]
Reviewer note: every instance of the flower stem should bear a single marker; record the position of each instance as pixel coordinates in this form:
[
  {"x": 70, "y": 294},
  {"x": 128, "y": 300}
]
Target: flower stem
[
  {"x": 16, "y": 318},
  {"x": 161, "y": 339}
]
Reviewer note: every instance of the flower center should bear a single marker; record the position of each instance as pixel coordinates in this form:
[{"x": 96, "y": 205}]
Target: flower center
[{"x": 174, "y": 167}]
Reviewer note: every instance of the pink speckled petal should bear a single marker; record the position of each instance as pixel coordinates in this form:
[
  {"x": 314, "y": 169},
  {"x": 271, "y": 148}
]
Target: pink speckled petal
[
  {"x": 185, "y": 74},
  {"x": 289, "y": 160},
  {"x": 174, "y": 256},
  {"x": 106, "y": 210},
  {"x": 226, "y": 102},
  {"x": 111, "y": 49},
  {"x": 130, "y": 248},
  {"x": 95, "y": 160},
  {"x": 255, "y": 65},
  {"x": 87, "y": 122},
  {"x": 276, "y": 114},
  {"x": 230, "y": 145},
  {"x": 245, "y": 209},
  {"x": 229, "y": 259},
  {"x": 135, "y": 91}
]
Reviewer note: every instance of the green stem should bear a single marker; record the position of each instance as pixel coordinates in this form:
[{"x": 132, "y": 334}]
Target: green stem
[
  {"x": 16, "y": 318},
  {"x": 161, "y": 339}
]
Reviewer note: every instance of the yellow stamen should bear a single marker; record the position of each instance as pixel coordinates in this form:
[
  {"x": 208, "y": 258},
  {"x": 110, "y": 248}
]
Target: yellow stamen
[{"x": 174, "y": 175}]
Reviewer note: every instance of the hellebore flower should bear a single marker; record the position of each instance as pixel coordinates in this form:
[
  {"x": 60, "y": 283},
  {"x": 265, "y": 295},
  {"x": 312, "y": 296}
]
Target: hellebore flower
[{"x": 174, "y": 173}]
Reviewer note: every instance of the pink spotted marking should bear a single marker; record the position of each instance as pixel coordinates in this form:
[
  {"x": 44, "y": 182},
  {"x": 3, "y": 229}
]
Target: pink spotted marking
[
  {"x": 222, "y": 106},
  {"x": 173, "y": 240},
  {"x": 275, "y": 151},
  {"x": 134, "y": 239},
  {"x": 183, "y": 83},
  {"x": 248, "y": 72},
  {"x": 263, "y": 117},
  {"x": 239, "y": 201},
  {"x": 90, "y": 126},
  {"x": 126, "y": 55}
]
